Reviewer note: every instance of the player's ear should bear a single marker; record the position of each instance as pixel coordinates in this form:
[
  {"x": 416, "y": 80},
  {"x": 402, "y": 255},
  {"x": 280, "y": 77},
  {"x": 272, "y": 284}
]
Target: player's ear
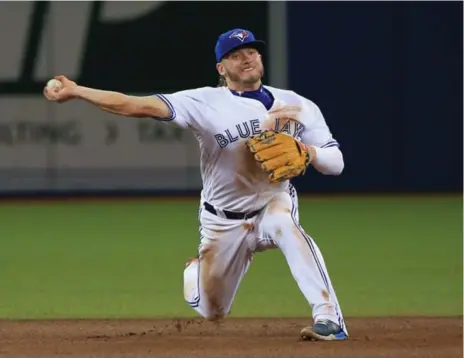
[{"x": 220, "y": 68}]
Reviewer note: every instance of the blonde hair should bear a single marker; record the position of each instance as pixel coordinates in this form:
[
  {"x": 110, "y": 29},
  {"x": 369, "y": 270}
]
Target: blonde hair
[{"x": 222, "y": 82}]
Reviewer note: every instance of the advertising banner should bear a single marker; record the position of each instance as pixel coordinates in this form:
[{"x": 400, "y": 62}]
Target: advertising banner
[{"x": 131, "y": 47}]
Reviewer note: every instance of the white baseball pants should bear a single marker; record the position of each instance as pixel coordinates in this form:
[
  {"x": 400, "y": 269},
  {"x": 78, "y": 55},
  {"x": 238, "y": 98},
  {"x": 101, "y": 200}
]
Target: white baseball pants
[{"x": 225, "y": 254}]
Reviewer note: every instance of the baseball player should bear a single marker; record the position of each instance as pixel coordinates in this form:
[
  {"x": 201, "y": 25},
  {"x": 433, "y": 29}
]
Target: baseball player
[{"x": 253, "y": 139}]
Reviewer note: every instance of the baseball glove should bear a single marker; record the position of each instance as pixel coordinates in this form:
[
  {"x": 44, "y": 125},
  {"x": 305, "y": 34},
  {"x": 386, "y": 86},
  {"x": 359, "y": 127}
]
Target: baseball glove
[{"x": 280, "y": 155}]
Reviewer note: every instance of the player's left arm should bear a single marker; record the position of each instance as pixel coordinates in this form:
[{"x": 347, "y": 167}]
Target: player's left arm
[{"x": 326, "y": 156}]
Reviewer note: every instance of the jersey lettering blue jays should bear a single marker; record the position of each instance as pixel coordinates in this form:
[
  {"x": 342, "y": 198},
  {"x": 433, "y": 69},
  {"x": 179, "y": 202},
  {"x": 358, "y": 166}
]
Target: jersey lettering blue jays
[{"x": 222, "y": 122}]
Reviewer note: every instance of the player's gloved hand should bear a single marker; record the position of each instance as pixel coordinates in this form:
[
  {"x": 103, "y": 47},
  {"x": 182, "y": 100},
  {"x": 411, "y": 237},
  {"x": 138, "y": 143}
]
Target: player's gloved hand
[{"x": 280, "y": 155}]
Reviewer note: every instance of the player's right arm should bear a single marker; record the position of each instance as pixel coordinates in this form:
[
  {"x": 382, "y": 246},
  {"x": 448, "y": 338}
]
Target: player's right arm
[{"x": 157, "y": 106}]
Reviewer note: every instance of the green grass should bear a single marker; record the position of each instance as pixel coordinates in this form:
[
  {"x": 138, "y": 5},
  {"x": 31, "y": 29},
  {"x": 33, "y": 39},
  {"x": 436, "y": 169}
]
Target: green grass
[{"x": 386, "y": 256}]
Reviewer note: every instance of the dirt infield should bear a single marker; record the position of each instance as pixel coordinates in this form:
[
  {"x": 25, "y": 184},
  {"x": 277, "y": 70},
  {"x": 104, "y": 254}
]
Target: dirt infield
[{"x": 369, "y": 338}]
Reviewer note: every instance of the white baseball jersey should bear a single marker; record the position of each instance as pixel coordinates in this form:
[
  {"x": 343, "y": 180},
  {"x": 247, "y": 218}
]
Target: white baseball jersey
[{"x": 222, "y": 122}]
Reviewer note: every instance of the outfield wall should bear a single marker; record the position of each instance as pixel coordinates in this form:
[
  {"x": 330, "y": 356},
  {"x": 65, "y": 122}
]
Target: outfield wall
[{"x": 387, "y": 77}]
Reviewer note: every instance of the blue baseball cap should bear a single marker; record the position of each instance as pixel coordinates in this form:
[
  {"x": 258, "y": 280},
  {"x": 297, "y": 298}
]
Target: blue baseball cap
[{"x": 234, "y": 39}]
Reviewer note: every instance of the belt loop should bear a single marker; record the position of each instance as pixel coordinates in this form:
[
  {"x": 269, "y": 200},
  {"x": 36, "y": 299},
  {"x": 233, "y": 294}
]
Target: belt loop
[
  {"x": 220, "y": 213},
  {"x": 214, "y": 210}
]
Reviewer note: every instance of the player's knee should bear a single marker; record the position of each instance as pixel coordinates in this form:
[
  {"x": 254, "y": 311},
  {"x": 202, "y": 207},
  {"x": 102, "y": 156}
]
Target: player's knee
[
  {"x": 207, "y": 301},
  {"x": 214, "y": 316},
  {"x": 203, "y": 309}
]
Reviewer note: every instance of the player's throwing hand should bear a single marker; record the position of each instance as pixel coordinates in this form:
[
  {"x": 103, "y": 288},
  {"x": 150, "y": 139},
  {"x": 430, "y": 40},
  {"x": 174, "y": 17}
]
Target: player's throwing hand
[{"x": 60, "y": 89}]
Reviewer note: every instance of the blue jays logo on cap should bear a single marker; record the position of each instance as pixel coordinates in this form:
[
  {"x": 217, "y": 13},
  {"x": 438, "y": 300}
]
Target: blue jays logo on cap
[
  {"x": 239, "y": 34},
  {"x": 234, "y": 39}
]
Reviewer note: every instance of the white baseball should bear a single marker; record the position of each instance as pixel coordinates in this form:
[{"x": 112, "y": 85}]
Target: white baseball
[{"x": 54, "y": 84}]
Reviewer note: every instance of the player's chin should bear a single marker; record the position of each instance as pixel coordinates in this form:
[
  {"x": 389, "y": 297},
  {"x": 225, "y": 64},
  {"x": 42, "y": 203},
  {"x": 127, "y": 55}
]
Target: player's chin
[{"x": 250, "y": 78}]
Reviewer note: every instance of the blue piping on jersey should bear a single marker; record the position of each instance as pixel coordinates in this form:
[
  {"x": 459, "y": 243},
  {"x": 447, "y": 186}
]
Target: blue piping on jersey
[{"x": 170, "y": 106}]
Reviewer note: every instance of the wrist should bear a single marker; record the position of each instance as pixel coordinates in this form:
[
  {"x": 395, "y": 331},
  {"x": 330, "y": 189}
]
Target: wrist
[
  {"x": 78, "y": 92},
  {"x": 312, "y": 151}
]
